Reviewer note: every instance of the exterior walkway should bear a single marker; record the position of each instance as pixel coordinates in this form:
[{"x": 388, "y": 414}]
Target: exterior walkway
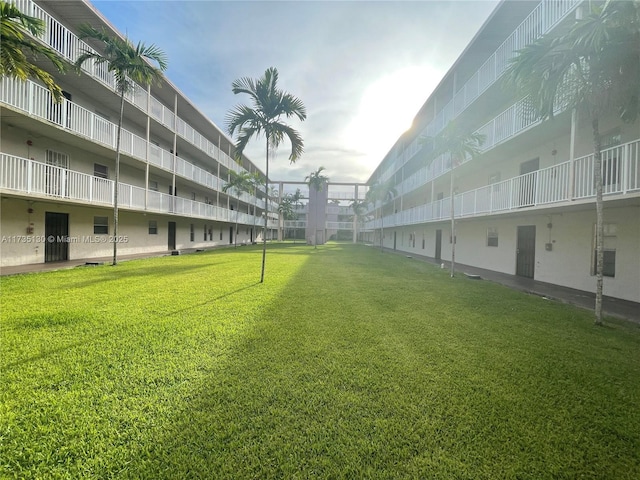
[
  {"x": 50, "y": 266},
  {"x": 613, "y": 307}
]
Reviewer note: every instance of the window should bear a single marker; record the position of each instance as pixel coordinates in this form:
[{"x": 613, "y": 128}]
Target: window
[
  {"x": 57, "y": 159},
  {"x": 100, "y": 171},
  {"x": 193, "y": 195},
  {"x": 192, "y": 232},
  {"x": 609, "y": 250},
  {"x": 101, "y": 225},
  {"x": 153, "y": 227},
  {"x": 492, "y": 237},
  {"x": 153, "y": 185},
  {"x": 205, "y": 233}
]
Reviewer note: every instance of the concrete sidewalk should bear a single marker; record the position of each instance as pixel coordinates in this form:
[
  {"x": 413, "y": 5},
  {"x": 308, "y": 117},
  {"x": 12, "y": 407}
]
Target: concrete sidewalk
[{"x": 613, "y": 307}]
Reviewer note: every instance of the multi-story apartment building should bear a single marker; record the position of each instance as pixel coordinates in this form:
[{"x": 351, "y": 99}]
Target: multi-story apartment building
[
  {"x": 58, "y": 159},
  {"x": 526, "y": 205}
]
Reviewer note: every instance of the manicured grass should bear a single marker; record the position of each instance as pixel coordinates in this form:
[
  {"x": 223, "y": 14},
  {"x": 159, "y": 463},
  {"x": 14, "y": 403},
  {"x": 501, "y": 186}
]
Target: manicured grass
[{"x": 346, "y": 363}]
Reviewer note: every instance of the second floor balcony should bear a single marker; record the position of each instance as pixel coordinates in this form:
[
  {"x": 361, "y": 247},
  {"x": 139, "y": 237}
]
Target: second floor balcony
[
  {"x": 30, "y": 178},
  {"x": 561, "y": 184}
]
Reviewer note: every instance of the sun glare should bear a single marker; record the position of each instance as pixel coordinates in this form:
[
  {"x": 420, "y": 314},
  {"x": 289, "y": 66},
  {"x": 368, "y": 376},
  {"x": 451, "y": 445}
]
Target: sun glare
[{"x": 387, "y": 109}]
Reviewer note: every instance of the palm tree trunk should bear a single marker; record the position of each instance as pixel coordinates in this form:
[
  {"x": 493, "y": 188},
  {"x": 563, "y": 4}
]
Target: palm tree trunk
[
  {"x": 453, "y": 227},
  {"x": 117, "y": 180},
  {"x": 597, "y": 165},
  {"x": 266, "y": 213},
  {"x": 235, "y": 236}
]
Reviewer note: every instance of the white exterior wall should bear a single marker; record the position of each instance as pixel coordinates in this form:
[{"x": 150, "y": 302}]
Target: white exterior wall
[
  {"x": 18, "y": 246},
  {"x": 568, "y": 263}
]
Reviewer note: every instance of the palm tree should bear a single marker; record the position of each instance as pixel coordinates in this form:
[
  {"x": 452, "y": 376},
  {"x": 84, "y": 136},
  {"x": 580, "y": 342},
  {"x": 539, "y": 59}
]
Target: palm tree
[
  {"x": 296, "y": 197},
  {"x": 256, "y": 182},
  {"x": 591, "y": 67},
  {"x": 15, "y": 28},
  {"x": 359, "y": 208},
  {"x": 270, "y": 104},
  {"x": 458, "y": 144},
  {"x": 317, "y": 180},
  {"x": 383, "y": 192},
  {"x": 286, "y": 207},
  {"x": 128, "y": 63},
  {"x": 238, "y": 183}
]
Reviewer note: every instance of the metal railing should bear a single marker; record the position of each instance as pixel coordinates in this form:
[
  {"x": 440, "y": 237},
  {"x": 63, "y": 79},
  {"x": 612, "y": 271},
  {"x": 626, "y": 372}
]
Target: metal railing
[
  {"x": 70, "y": 47},
  {"x": 546, "y": 15},
  {"x": 30, "y": 177},
  {"x": 556, "y": 184},
  {"x": 37, "y": 101}
]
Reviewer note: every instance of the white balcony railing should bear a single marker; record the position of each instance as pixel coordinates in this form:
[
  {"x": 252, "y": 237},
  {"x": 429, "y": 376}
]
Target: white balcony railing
[
  {"x": 546, "y": 15},
  {"x": 24, "y": 176},
  {"x": 70, "y": 47},
  {"x": 556, "y": 184},
  {"x": 37, "y": 101}
]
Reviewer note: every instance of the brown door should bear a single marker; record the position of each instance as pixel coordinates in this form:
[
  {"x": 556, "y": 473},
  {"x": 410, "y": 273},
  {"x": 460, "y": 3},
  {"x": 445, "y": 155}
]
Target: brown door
[
  {"x": 56, "y": 230},
  {"x": 526, "y": 251},
  {"x": 438, "y": 255},
  {"x": 172, "y": 236}
]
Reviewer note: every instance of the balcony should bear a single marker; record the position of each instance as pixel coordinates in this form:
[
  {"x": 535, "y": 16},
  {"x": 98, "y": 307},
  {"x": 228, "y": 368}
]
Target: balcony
[
  {"x": 34, "y": 179},
  {"x": 546, "y": 15},
  {"x": 36, "y": 101},
  {"x": 562, "y": 183}
]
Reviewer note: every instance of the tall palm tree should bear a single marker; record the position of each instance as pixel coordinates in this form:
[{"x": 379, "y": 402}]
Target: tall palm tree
[
  {"x": 296, "y": 197},
  {"x": 593, "y": 68},
  {"x": 256, "y": 182},
  {"x": 359, "y": 208},
  {"x": 455, "y": 142},
  {"x": 270, "y": 105},
  {"x": 383, "y": 192},
  {"x": 286, "y": 207},
  {"x": 15, "y": 31},
  {"x": 238, "y": 183},
  {"x": 128, "y": 63}
]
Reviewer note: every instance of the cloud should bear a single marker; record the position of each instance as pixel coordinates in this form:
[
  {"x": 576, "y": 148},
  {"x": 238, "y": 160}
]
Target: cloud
[{"x": 363, "y": 69}]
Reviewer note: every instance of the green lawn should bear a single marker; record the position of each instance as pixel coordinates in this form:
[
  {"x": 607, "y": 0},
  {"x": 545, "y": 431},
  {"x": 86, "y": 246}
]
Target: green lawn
[{"x": 345, "y": 363}]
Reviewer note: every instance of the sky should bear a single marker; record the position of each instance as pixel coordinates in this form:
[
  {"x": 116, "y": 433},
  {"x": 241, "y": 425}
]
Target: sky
[{"x": 362, "y": 68}]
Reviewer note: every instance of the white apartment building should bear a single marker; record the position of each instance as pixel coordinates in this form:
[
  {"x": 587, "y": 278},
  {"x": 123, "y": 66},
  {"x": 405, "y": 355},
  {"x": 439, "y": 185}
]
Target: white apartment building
[
  {"x": 526, "y": 205},
  {"x": 57, "y": 162}
]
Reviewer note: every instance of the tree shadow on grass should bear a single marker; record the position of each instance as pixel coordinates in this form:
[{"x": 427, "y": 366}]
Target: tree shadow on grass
[{"x": 31, "y": 322}]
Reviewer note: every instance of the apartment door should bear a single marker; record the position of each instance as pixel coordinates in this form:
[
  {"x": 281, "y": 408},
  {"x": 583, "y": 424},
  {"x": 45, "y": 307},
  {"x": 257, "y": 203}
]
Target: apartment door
[
  {"x": 56, "y": 231},
  {"x": 171, "y": 243},
  {"x": 230, "y": 235},
  {"x": 528, "y": 183},
  {"x": 395, "y": 238},
  {"x": 438, "y": 255},
  {"x": 56, "y": 173},
  {"x": 526, "y": 251}
]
